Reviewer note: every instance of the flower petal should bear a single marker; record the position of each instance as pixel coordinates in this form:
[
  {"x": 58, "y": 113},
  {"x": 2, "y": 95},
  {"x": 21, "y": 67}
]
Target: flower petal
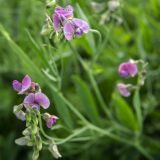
[
  {"x": 81, "y": 24},
  {"x": 26, "y": 84},
  {"x": 64, "y": 13},
  {"x": 132, "y": 69},
  {"x": 29, "y": 100},
  {"x": 124, "y": 89},
  {"x": 56, "y": 22},
  {"x": 123, "y": 70},
  {"x": 17, "y": 86},
  {"x": 51, "y": 121},
  {"x": 69, "y": 30},
  {"x": 42, "y": 100}
]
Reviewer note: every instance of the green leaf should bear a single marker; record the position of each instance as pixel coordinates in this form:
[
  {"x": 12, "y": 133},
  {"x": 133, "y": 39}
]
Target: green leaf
[
  {"x": 124, "y": 112},
  {"x": 87, "y": 100}
]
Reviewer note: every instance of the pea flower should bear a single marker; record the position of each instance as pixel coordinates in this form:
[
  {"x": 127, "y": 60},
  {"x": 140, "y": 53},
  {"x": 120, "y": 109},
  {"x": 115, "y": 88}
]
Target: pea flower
[
  {"x": 50, "y": 119},
  {"x": 75, "y": 27},
  {"x": 63, "y": 18},
  {"x": 22, "y": 87},
  {"x": 128, "y": 69},
  {"x": 35, "y": 100},
  {"x": 60, "y": 15},
  {"x": 124, "y": 89},
  {"x": 29, "y": 112}
]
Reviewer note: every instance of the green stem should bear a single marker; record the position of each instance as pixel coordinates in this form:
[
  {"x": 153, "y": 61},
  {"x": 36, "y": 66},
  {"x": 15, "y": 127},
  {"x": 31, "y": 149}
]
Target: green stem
[
  {"x": 41, "y": 128},
  {"x": 143, "y": 152},
  {"x": 98, "y": 33},
  {"x": 111, "y": 135},
  {"x": 137, "y": 107},
  {"x": 72, "y": 135},
  {"x": 92, "y": 80}
]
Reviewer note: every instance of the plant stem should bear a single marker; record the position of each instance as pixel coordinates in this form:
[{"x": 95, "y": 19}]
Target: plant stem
[
  {"x": 41, "y": 128},
  {"x": 72, "y": 135}
]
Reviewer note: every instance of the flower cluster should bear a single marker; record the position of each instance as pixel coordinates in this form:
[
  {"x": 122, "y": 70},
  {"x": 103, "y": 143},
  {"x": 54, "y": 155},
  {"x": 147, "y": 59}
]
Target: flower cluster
[
  {"x": 129, "y": 70},
  {"x": 64, "y": 21},
  {"x": 29, "y": 111}
]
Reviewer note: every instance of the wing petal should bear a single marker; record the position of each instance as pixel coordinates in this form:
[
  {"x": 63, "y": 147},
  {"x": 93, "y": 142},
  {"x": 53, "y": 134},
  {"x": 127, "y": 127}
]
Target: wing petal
[
  {"x": 81, "y": 24},
  {"x": 69, "y": 30}
]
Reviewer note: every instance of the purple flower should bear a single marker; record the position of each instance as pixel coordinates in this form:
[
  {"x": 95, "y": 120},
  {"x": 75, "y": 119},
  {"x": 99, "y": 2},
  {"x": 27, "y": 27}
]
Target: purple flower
[
  {"x": 63, "y": 17},
  {"x": 35, "y": 100},
  {"x": 22, "y": 87},
  {"x": 128, "y": 69},
  {"x": 50, "y": 119},
  {"x": 60, "y": 15},
  {"x": 124, "y": 89},
  {"x": 75, "y": 27}
]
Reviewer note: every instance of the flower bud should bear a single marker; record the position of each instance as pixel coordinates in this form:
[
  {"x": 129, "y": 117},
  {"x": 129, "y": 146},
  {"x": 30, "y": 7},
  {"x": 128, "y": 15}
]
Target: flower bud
[
  {"x": 27, "y": 131},
  {"x": 21, "y": 115},
  {"x": 22, "y": 141},
  {"x": 54, "y": 150},
  {"x": 125, "y": 90},
  {"x": 113, "y": 5},
  {"x": 50, "y": 119},
  {"x": 17, "y": 108},
  {"x": 98, "y": 7},
  {"x": 51, "y": 3}
]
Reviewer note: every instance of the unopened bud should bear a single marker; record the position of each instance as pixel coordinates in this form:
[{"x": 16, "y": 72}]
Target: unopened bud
[
  {"x": 51, "y": 3},
  {"x": 113, "y": 5},
  {"x": 54, "y": 150},
  {"x": 21, "y": 141}
]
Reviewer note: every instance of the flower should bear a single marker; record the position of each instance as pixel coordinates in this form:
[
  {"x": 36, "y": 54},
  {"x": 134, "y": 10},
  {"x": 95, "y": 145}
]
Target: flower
[
  {"x": 22, "y": 87},
  {"x": 35, "y": 100},
  {"x": 128, "y": 69},
  {"x": 75, "y": 27},
  {"x": 63, "y": 18},
  {"x": 124, "y": 89},
  {"x": 50, "y": 119},
  {"x": 60, "y": 15}
]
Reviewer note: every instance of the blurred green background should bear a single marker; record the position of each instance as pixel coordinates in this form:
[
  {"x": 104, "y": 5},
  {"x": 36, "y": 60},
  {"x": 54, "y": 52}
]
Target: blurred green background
[{"x": 133, "y": 31}]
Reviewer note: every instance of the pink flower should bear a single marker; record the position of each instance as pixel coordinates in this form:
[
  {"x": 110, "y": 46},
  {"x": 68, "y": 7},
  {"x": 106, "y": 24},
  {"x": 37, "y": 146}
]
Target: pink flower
[
  {"x": 22, "y": 87},
  {"x": 124, "y": 89},
  {"x": 50, "y": 119},
  {"x": 35, "y": 100},
  {"x": 128, "y": 69},
  {"x": 75, "y": 27},
  {"x": 63, "y": 18},
  {"x": 60, "y": 15}
]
